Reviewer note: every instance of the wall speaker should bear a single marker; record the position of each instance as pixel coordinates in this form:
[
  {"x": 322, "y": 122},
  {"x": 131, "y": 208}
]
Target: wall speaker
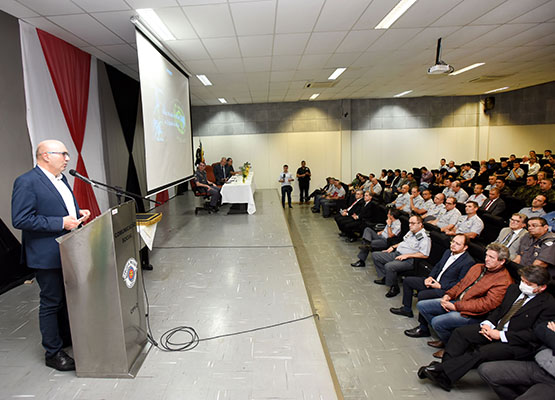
[{"x": 489, "y": 103}]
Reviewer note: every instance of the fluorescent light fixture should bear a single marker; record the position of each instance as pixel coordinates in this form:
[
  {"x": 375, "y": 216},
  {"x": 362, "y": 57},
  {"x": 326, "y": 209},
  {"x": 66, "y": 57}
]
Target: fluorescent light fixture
[
  {"x": 395, "y": 14},
  {"x": 497, "y": 90},
  {"x": 403, "y": 93},
  {"x": 155, "y": 23},
  {"x": 222, "y": 100},
  {"x": 336, "y": 73},
  {"x": 313, "y": 97},
  {"x": 460, "y": 71},
  {"x": 204, "y": 80}
]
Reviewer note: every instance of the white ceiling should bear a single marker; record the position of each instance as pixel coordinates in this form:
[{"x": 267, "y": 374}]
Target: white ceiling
[{"x": 257, "y": 51}]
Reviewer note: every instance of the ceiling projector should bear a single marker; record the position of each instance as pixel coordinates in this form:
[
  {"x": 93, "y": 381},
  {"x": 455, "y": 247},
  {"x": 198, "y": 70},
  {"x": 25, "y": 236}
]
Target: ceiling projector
[{"x": 440, "y": 66}]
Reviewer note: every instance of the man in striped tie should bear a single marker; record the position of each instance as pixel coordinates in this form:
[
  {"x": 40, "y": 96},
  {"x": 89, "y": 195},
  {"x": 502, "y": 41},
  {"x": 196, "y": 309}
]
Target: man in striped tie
[{"x": 507, "y": 334}]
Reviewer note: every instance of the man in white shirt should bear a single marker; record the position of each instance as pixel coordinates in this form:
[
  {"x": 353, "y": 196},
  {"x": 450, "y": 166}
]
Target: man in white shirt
[
  {"x": 537, "y": 207},
  {"x": 402, "y": 202},
  {"x": 478, "y": 195},
  {"x": 469, "y": 225},
  {"x": 450, "y": 217},
  {"x": 459, "y": 193},
  {"x": 285, "y": 178}
]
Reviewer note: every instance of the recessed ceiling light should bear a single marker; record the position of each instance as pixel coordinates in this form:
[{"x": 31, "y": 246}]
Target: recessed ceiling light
[
  {"x": 313, "y": 97},
  {"x": 336, "y": 73},
  {"x": 394, "y": 14},
  {"x": 403, "y": 93},
  {"x": 460, "y": 71},
  {"x": 204, "y": 80},
  {"x": 155, "y": 23},
  {"x": 222, "y": 100},
  {"x": 497, "y": 90}
]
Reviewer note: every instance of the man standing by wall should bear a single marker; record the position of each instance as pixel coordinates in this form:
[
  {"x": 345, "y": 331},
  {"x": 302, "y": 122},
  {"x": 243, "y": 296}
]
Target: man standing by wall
[
  {"x": 285, "y": 178},
  {"x": 44, "y": 208},
  {"x": 303, "y": 176}
]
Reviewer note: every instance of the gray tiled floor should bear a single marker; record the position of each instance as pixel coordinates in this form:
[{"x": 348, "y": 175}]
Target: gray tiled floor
[
  {"x": 372, "y": 357},
  {"x": 219, "y": 274}
]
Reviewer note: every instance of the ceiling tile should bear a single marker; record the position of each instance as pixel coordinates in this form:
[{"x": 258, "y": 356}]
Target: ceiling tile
[
  {"x": 211, "y": 20},
  {"x": 336, "y": 16},
  {"x": 200, "y": 2},
  {"x": 424, "y": 12},
  {"x": 464, "y": 35},
  {"x": 341, "y": 60},
  {"x": 222, "y": 47},
  {"x": 257, "y": 64},
  {"x": 46, "y": 8},
  {"x": 294, "y": 16},
  {"x": 311, "y": 61},
  {"x": 530, "y": 35},
  {"x": 507, "y": 11},
  {"x": 324, "y": 42},
  {"x": 86, "y": 28},
  {"x": 101, "y": 5},
  {"x": 374, "y": 14},
  {"x": 466, "y": 12},
  {"x": 17, "y": 10},
  {"x": 285, "y": 63},
  {"x": 282, "y": 76},
  {"x": 290, "y": 43},
  {"x": 497, "y": 35},
  {"x": 50, "y": 27},
  {"x": 427, "y": 38},
  {"x": 243, "y": 14},
  {"x": 229, "y": 65},
  {"x": 393, "y": 39},
  {"x": 204, "y": 67},
  {"x": 175, "y": 21},
  {"x": 95, "y": 51},
  {"x": 540, "y": 14},
  {"x": 121, "y": 52},
  {"x": 256, "y": 46},
  {"x": 118, "y": 22},
  {"x": 191, "y": 49},
  {"x": 359, "y": 40},
  {"x": 136, "y": 4}
]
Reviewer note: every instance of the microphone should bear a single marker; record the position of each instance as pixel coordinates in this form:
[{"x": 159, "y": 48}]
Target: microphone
[{"x": 76, "y": 174}]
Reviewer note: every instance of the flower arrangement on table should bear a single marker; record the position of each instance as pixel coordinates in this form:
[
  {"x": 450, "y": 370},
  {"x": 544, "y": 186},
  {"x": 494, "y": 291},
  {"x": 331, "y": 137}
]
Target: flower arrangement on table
[{"x": 245, "y": 170}]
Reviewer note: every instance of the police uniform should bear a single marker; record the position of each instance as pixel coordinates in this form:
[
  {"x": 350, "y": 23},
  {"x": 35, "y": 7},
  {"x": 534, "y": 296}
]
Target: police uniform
[
  {"x": 403, "y": 200},
  {"x": 418, "y": 202},
  {"x": 542, "y": 248},
  {"x": 213, "y": 191},
  {"x": 435, "y": 211},
  {"x": 386, "y": 264},
  {"x": 531, "y": 213},
  {"x": 467, "y": 225},
  {"x": 477, "y": 198},
  {"x": 461, "y": 196},
  {"x": 378, "y": 241},
  {"x": 449, "y": 218}
]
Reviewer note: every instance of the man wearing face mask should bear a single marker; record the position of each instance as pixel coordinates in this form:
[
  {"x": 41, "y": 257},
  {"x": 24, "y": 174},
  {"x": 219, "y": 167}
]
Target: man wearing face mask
[{"x": 507, "y": 333}]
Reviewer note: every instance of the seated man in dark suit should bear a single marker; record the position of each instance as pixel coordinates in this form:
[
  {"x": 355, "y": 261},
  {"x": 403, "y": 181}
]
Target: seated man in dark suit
[
  {"x": 452, "y": 267},
  {"x": 354, "y": 224},
  {"x": 494, "y": 204},
  {"x": 345, "y": 215},
  {"x": 44, "y": 208},
  {"x": 507, "y": 333},
  {"x": 221, "y": 172}
]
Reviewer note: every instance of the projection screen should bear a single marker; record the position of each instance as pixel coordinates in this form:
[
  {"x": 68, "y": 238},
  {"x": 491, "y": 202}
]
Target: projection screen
[{"x": 166, "y": 116}]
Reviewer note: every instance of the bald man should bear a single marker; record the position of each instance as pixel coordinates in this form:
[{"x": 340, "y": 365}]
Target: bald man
[{"x": 44, "y": 208}]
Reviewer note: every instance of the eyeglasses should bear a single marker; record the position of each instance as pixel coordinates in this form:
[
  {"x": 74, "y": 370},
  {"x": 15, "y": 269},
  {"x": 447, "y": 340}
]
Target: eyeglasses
[
  {"x": 63, "y": 153},
  {"x": 515, "y": 220}
]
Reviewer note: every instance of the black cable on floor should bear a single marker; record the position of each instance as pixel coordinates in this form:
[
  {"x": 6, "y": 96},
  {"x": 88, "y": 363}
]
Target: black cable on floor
[{"x": 167, "y": 344}]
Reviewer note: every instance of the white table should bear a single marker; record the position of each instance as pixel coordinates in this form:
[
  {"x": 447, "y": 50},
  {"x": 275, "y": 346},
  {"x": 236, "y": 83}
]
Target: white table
[{"x": 235, "y": 191}]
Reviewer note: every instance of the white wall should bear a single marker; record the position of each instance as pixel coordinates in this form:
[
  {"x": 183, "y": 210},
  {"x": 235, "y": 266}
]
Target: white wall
[{"x": 519, "y": 139}]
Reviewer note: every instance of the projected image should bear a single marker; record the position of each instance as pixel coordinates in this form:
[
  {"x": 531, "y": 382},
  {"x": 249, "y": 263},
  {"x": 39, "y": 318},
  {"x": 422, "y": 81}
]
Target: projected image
[{"x": 166, "y": 118}]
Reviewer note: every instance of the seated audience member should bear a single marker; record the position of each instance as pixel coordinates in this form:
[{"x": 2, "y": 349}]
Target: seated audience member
[
  {"x": 506, "y": 334},
  {"x": 451, "y": 168},
  {"x": 230, "y": 169},
  {"x": 323, "y": 190},
  {"x": 537, "y": 247},
  {"x": 383, "y": 175},
  {"x": 504, "y": 190},
  {"x": 356, "y": 222},
  {"x": 494, "y": 205},
  {"x": 437, "y": 209},
  {"x": 330, "y": 193},
  {"x": 541, "y": 175},
  {"x": 467, "y": 173},
  {"x": 354, "y": 207},
  {"x": 512, "y": 159},
  {"x": 448, "y": 191},
  {"x": 525, "y": 160},
  {"x": 402, "y": 181},
  {"x": 547, "y": 168},
  {"x": 482, "y": 176},
  {"x": 533, "y": 166},
  {"x": 375, "y": 188},
  {"x": 534, "y": 379},
  {"x": 503, "y": 170},
  {"x": 452, "y": 267},
  {"x": 329, "y": 201},
  {"x": 510, "y": 236},
  {"x": 536, "y": 210},
  {"x": 546, "y": 189},
  {"x": 365, "y": 183},
  {"x": 210, "y": 187},
  {"x": 450, "y": 217},
  {"x": 469, "y": 301},
  {"x": 421, "y": 208},
  {"x": 400, "y": 257},
  {"x": 411, "y": 181},
  {"x": 438, "y": 178},
  {"x": 516, "y": 172},
  {"x": 402, "y": 202},
  {"x": 426, "y": 179},
  {"x": 374, "y": 241},
  {"x": 469, "y": 225},
  {"x": 526, "y": 193},
  {"x": 478, "y": 195},
  {"x": 458, "y": 192},
  {"x": 492, "y": 165},
  {"x": 416, "y": 202},
  {"x": 546, "y": 154},
  {"x": 390, "y": 176},
  {"x": 491, "y": 182},
  {"x": 396, "y": 179},
  {"x": 443, "y": 164},
  {"x": 220, "y": 172}
]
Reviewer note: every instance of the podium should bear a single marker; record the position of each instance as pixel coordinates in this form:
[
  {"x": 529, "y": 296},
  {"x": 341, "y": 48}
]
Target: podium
[{"x": 105, "y": 297}]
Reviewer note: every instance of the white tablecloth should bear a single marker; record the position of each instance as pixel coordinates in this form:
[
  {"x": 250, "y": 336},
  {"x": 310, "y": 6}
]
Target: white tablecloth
[{"x": 235, "y": 191}]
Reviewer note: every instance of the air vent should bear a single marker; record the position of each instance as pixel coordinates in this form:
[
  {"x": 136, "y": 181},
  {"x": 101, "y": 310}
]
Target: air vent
[
  {"x": 489, "y": 78},
  {"x": 320, "y": 85}
]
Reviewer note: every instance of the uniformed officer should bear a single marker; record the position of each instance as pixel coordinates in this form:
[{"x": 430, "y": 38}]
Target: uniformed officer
[
  {"x": 537, "y": 247},
  {"x": 400, "y": 257},
  {"x": 470, "y": 224},
  {"x": 303, "y": 176},
  {"x": 450, "y": 217}
]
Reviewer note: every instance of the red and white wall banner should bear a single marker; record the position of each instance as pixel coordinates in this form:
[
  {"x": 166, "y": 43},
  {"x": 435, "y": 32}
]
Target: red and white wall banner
[{"x": 61, "y": 90}]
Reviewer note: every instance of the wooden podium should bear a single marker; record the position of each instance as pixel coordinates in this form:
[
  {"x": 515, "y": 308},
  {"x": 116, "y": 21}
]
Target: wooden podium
[{"x": 105, "y": 297}]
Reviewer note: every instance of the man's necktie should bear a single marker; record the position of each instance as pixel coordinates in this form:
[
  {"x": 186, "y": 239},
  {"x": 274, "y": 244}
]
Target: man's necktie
[{"x": 517, "y": 305}]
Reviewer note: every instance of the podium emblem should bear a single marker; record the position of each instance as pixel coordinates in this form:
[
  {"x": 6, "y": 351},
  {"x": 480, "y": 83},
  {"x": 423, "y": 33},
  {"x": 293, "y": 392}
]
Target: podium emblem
[{"x": 130, "y": 272}]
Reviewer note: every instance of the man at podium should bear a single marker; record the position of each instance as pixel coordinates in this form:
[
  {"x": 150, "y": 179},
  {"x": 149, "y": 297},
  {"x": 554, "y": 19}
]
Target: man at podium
[{"x": 44, "y": 208}]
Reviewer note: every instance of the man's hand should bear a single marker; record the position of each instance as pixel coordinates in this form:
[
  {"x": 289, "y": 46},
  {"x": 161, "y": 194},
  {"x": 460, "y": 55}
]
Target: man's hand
[
  {"x": 85, "y": 214},
  {"x": 551, "y": 325},
  {"x": 490, "y": 333},
  {"x": 402, "y": 257},
  {"x": 447, "y": 305},
  {"x": 432, "y": 283},
  {"x": 388, "y": 250},
  {"x": 70, "y": 222}
]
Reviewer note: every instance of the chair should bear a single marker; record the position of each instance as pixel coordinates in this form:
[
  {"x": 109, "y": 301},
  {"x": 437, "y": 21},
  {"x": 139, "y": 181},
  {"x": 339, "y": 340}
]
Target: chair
[{"x": 200, "y": 192}]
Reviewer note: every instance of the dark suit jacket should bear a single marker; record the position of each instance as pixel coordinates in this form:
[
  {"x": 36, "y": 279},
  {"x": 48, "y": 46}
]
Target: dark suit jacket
[
  {"x": 540, "y": 309},
  {"x": 38, "y": 210},
  {"x": 220, "y": 174},
  {"x": 496, "y": 208},
  {"x": 455, "y": 272},
  {"x": 357, "y": 207},
  {"x": 366, "y": 211}
]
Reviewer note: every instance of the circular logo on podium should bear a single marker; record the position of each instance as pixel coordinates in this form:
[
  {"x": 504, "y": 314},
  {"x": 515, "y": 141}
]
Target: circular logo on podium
[{"x": 130, "y": 272}]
